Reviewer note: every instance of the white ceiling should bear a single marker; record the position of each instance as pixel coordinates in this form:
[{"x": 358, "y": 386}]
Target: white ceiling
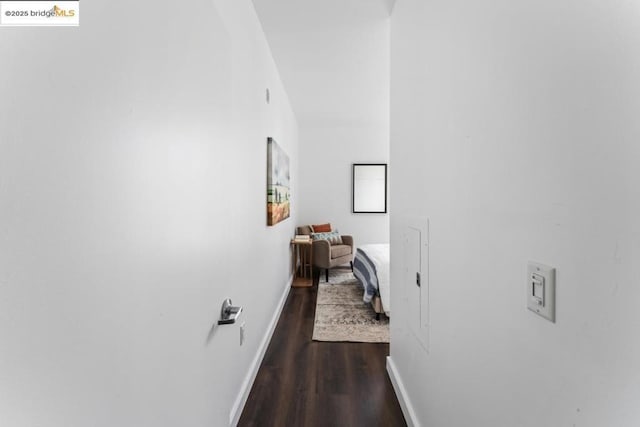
[{"x": 333, "y": 56}]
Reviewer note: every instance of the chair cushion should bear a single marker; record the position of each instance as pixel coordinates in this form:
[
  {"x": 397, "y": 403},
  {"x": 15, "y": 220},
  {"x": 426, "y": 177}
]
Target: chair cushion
[
  {"x": 321, "y": 228},
  {"x": 333, "y": 237},
  {"x": 340, "y": 250}
]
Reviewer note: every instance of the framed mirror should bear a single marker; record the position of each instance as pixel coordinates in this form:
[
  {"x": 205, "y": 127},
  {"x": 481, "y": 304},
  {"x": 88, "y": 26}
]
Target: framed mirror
[{"x": 369, "y": 188}]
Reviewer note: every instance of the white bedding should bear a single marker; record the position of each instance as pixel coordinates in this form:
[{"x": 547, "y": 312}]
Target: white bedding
[{"x": 379, "y": 254}]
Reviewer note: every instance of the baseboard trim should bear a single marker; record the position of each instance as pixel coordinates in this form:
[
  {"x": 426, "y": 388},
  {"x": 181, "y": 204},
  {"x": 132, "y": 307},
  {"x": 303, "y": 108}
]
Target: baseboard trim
[
  {"x": 241, "y": 400},
  {"x": 401, "y": 393}
]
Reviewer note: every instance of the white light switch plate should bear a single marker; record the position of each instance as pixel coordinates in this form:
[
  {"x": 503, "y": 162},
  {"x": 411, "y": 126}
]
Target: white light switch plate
[{"x": 545, "y": 304}]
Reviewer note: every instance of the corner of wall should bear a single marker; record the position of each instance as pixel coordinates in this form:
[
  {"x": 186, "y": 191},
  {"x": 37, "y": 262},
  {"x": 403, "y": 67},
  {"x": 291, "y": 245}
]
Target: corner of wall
[
  {"x": 401, "y": 392},
  {"x": 245, "y": 389}
]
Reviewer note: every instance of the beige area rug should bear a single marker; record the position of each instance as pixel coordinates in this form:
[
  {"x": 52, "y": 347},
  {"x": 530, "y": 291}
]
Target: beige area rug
[{"x": 341, "y": 315}]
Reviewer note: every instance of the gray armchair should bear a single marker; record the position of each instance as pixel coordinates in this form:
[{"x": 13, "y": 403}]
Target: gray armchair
[{"x": 327, "y": 256}]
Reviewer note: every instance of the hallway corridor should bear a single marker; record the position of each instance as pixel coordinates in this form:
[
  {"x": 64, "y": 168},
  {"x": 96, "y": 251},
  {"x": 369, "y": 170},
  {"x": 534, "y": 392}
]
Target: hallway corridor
[{"x": 307, "y": 383}]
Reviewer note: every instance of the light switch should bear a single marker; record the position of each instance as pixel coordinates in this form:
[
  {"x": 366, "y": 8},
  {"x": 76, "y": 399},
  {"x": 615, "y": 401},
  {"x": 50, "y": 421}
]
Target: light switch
[
  {"x": 541, "y": 290},
  {"x": 537, "y": 288}
]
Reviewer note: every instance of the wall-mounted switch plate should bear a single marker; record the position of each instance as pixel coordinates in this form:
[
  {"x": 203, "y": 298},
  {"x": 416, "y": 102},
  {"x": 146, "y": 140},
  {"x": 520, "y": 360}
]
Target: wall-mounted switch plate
[{"x": 541, "y": 290}]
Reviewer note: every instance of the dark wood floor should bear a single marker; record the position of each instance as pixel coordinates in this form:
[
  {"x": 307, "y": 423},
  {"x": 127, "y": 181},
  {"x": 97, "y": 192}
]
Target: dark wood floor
[{"x": 308, "y": 383}]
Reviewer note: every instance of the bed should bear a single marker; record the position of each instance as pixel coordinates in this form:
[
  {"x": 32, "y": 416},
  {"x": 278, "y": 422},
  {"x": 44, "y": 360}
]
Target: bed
[{"x": 371, "y": 268}]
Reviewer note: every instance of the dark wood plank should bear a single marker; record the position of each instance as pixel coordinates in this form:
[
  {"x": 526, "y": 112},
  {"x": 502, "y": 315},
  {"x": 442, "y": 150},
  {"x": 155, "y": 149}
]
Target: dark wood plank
[{"x": 308, "y": 383}]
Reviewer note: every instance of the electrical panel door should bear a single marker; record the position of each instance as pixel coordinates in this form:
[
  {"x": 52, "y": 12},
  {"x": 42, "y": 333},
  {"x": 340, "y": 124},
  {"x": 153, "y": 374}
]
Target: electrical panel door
[{"x": 416, "y": 278}]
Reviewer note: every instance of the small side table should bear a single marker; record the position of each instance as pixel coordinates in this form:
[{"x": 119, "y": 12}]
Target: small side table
[{"x": 302, "y": 264}]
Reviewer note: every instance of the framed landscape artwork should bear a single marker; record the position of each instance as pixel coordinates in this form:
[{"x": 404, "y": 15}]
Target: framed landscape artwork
[{"x": 278, "y": 194}]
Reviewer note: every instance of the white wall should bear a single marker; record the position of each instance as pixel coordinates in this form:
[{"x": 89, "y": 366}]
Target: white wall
[
  {"x": 514, "y": 130},
  {"x": 327, "y": 152},
  {"x": 132, "y": 202},
  {"x": 332, "y": 140},
  {"x": 333, "y": 56}
]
